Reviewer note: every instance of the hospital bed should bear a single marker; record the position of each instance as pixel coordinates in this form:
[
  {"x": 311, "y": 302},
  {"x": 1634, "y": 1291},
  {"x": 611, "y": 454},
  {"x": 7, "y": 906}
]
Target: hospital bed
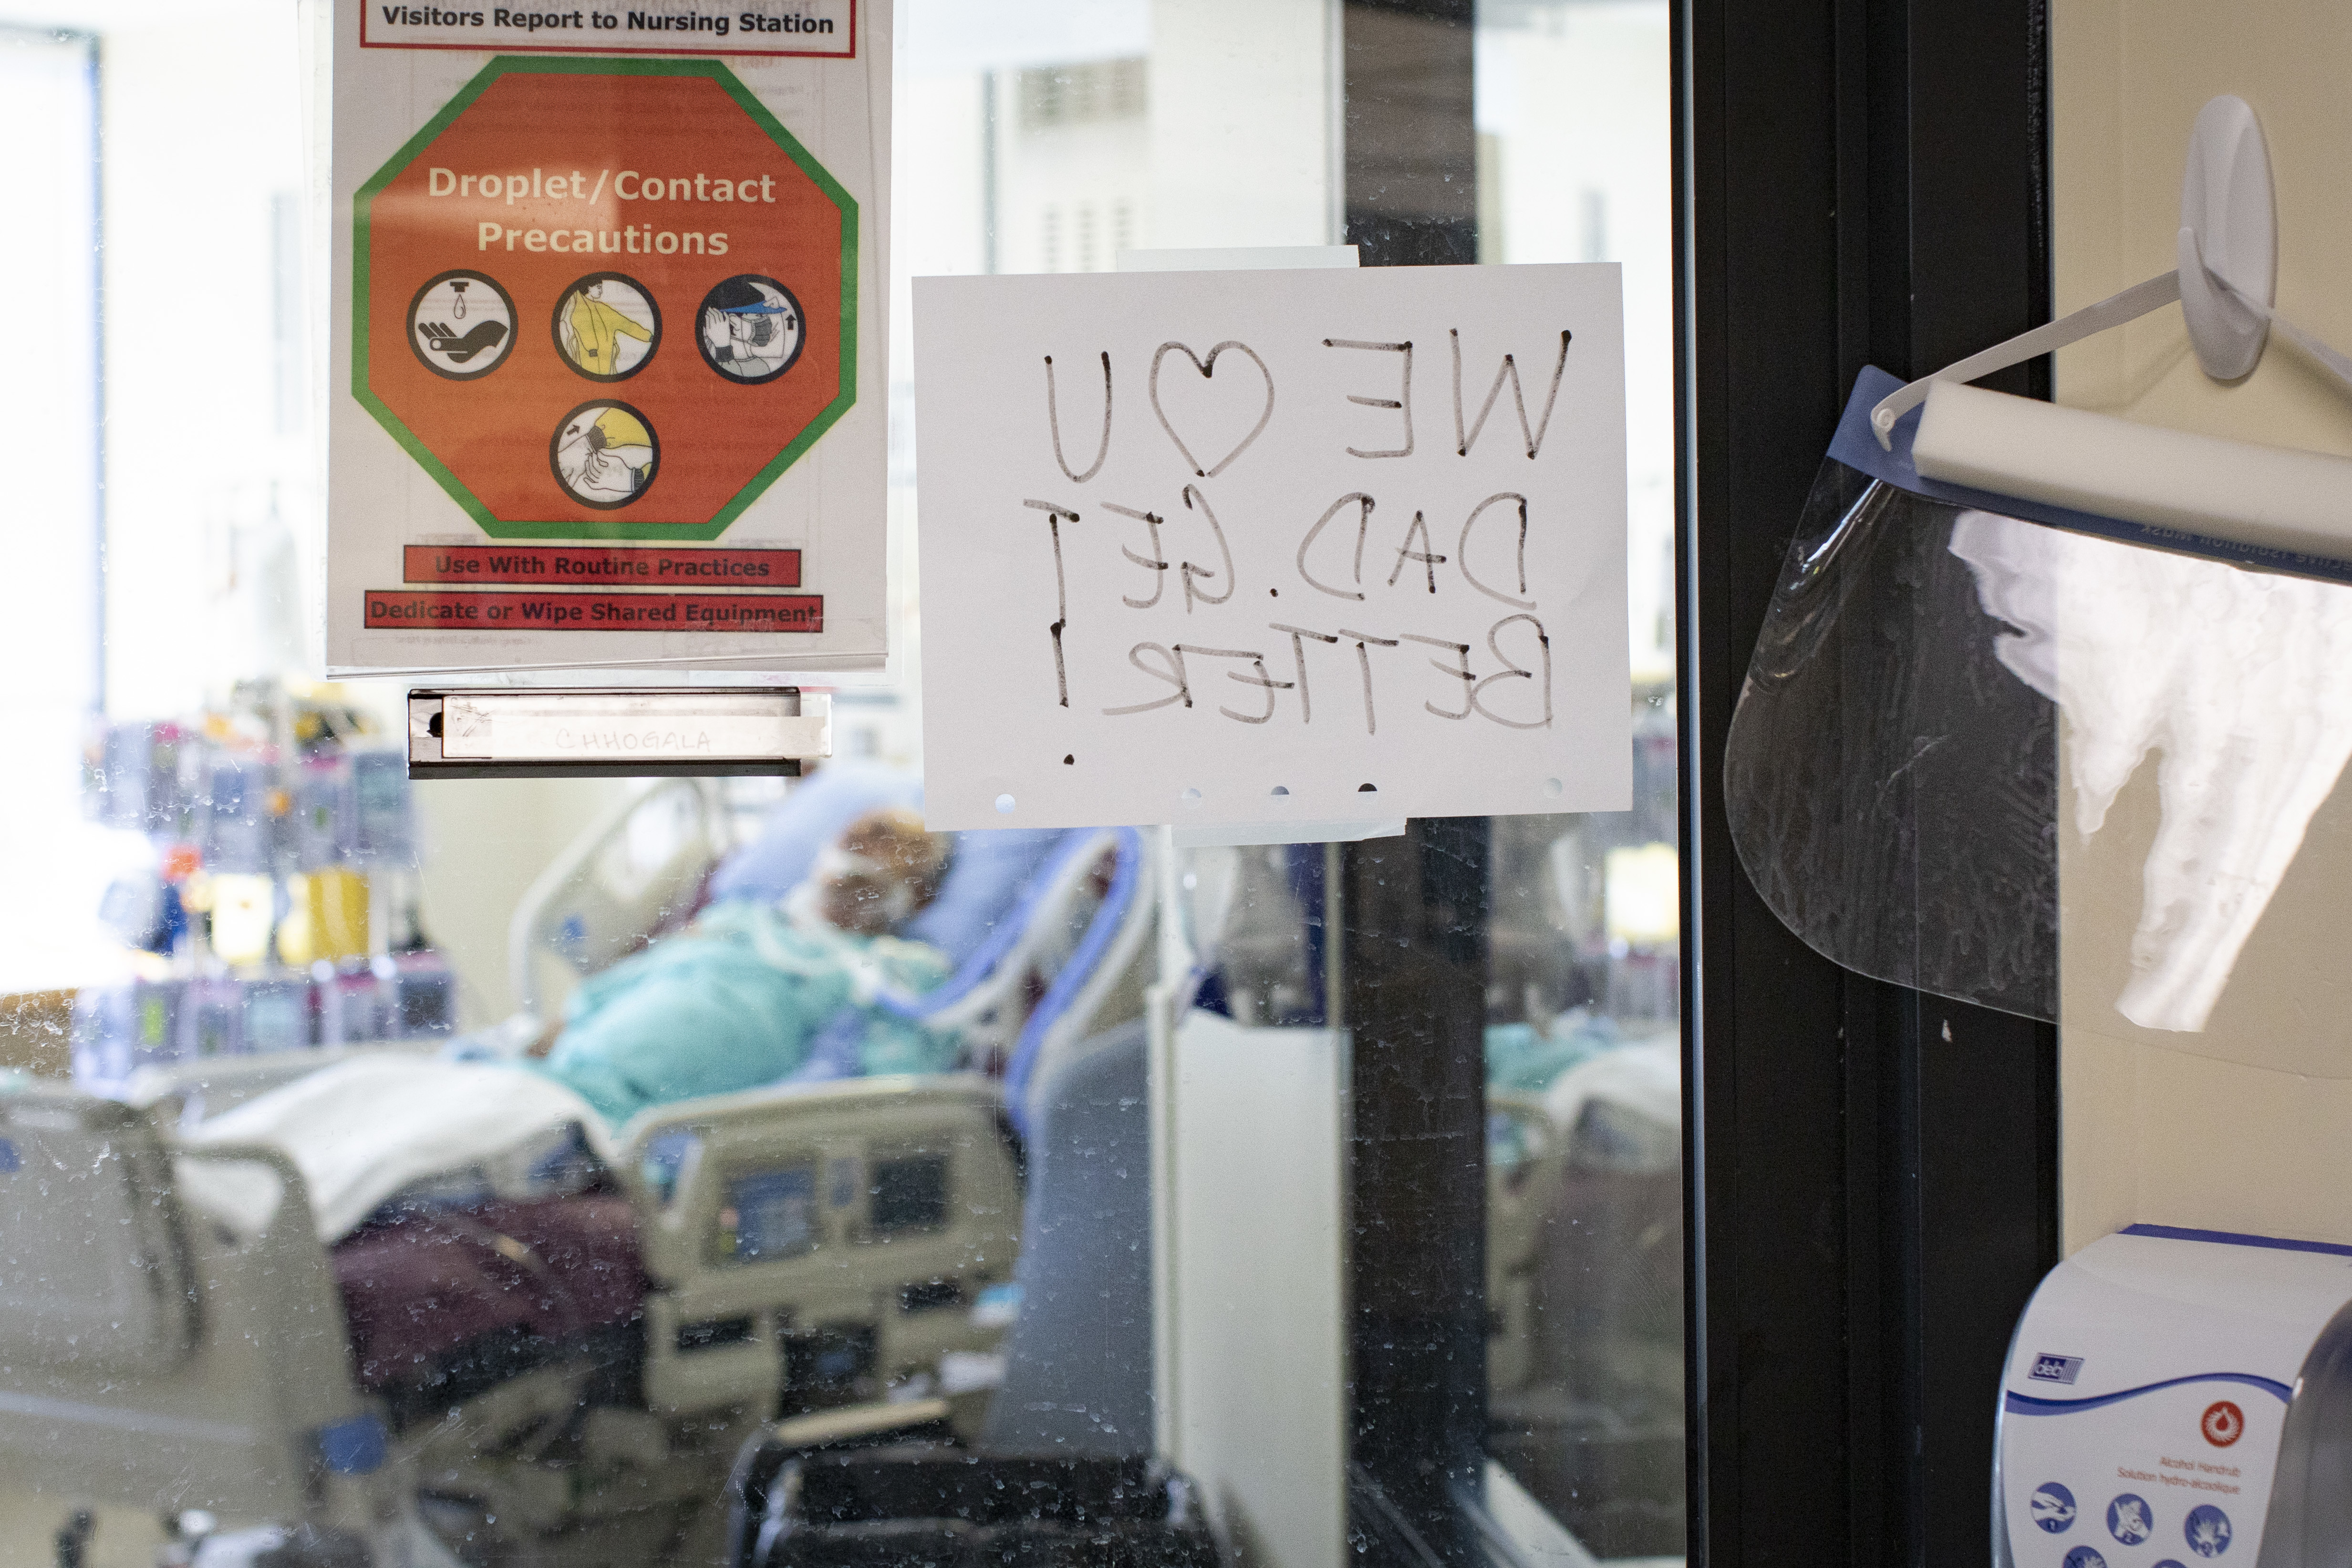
[
  {"x": 636, "y": 873},
  {"x": 633, "y": 873},
  {"x": 172, "y": 1335}
]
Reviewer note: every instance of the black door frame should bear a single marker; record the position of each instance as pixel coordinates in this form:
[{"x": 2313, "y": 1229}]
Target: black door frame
[
  {"x": 1871, "y": 1172},
  {"x": 1412, "y": 934}
]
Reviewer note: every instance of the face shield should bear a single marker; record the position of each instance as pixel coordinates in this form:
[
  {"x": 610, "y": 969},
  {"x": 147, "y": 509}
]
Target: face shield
[{"x": 1955, "y": 689}]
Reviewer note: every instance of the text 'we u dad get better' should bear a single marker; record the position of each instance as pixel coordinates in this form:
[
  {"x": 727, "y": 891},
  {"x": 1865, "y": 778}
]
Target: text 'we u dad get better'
[{"x": 1371, "y": 624}]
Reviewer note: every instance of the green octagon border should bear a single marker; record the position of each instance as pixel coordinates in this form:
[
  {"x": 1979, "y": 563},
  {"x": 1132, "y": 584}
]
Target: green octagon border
[{"x": 826, "y": 419}]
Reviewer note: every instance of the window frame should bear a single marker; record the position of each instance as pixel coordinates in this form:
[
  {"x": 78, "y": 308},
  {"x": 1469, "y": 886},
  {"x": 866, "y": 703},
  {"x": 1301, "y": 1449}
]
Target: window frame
[{"x": 1871, "y": 1172}]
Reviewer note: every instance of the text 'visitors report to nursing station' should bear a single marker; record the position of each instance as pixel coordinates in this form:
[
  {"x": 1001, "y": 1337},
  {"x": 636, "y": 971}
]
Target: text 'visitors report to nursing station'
[
  {"x": 741, "y": 27},
  {"x": 1257, "y": 547},
  {"x": 604, "y": 391}
]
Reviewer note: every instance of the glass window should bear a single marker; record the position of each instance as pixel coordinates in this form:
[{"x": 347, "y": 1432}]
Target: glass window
[
  {"x": 1584, "y": 1044},
  {"x": 50, "y": 107},
  {"x": 613, "y": 1171}
]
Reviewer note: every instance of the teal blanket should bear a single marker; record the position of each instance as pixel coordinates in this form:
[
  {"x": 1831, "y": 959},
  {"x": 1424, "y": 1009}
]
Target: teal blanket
[{"x": 740, "y": 1001}]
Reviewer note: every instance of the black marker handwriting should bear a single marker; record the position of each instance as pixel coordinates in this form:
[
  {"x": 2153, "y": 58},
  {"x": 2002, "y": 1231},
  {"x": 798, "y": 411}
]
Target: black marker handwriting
[
  {"x": 1403, "y": 402},
  {"x": 1298, "y": 657},
  {"x": 1462, "y": 551},
  {"x": 1461, "y": 442},
  {"x": 1511, "y": 672},
  {"x": 1192, "y": 572},
  {"x": 1053, "y": 419},
  {"x": 1257, "y": 662},
  {"x": 1405, "y": 551},
  {"x": 1156, "y": 562},
  {"x": 1417, "y": 546},
  {"x": 1054, "y": 516},
  {"x": 1208, "y": 368},
  {"x": 1173, "y": 675},
  {"x": 1363, "y": 525},
  {"x": 1172, "y": 667},
  {"x": 1460, "y": 671},
  {"x": 1364, "y": 662}
]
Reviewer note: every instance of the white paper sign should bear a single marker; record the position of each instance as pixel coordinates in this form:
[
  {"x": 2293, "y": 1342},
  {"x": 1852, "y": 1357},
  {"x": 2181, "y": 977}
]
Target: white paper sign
[
  {"x": 1251, "y": 547},
  {"x": 604, "y": 387}
]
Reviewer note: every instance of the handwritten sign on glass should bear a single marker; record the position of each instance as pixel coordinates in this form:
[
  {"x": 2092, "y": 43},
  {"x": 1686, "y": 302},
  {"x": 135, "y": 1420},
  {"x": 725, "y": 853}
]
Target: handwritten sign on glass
[{"x": 1250, "y": 547}]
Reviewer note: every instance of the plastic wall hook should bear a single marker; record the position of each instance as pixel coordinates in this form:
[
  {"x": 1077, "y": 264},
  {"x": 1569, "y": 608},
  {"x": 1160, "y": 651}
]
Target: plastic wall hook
[
  {"x": 2226, "y": 275},
  {"x": 2229, "y": 229}
]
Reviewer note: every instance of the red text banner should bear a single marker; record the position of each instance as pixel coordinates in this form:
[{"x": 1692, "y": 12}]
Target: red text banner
[
  {"x": 406, "y": 610},
  {"x": 588, "y": 565}
]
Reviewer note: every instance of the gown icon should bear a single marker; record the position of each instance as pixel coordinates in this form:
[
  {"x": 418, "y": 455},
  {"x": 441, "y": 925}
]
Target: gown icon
[{"x": 606, "y": 326}]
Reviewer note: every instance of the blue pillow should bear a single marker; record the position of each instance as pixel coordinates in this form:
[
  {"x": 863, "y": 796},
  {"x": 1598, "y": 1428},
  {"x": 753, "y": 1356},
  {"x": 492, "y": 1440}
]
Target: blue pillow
[
  {"x": 811, "y": 817},
  {"x": 984, "y": 879}
]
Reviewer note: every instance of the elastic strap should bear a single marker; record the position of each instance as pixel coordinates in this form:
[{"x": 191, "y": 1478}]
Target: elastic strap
[{"x": 2112, "y": 312}]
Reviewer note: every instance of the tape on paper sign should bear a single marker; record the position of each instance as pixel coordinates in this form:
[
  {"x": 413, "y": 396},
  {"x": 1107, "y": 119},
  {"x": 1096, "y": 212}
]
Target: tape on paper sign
[
  {"x": 1310, "y": 546},
  {"x": 597, "y": 328}
]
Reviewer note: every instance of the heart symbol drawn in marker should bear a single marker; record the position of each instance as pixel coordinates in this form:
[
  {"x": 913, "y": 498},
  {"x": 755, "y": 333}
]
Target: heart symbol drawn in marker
[{"x": 1208, "y": 368}]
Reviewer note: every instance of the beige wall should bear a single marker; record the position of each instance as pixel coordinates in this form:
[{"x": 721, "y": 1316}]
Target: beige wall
[
  {"x": 2246, "y": 1125},
  {"x": 482, "y": 843}
]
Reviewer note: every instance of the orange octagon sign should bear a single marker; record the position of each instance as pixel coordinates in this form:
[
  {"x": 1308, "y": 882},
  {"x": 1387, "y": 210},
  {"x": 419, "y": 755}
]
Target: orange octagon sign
[{"x": 604, "y": 298}]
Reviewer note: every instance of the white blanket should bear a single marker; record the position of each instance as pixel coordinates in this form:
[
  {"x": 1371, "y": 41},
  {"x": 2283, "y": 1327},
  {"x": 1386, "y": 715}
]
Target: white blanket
[
  {"x": 362, "y": 1131},
  {"x": 1644, "y": 1078}
]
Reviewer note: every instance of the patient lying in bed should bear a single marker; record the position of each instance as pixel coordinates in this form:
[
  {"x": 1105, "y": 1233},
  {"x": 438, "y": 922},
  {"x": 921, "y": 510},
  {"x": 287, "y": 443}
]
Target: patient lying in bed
[
  {"x": 412, "y": 1161},
  {"x": 842, "y": 911},
  {"x": 755, "y": 993},
  {"x": 760, "y": 989}
]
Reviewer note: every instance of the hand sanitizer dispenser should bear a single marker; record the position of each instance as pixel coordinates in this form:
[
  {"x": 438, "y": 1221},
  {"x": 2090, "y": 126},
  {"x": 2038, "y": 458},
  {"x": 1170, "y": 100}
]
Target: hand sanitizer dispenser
[{"x": 2180, "y": 1396}]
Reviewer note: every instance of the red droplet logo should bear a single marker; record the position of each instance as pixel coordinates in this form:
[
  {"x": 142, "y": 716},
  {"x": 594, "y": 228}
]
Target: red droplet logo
[{"x": 2223, "y": 1425}]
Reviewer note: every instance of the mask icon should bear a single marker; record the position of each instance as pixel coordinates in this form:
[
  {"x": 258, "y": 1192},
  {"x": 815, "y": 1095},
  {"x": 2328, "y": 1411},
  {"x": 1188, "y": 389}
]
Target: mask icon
[{"x": 750, "y": 330}]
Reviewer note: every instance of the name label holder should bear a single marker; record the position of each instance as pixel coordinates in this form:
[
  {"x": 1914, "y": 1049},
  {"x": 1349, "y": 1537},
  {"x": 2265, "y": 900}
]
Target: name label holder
[{"x": 707, "y": 732}]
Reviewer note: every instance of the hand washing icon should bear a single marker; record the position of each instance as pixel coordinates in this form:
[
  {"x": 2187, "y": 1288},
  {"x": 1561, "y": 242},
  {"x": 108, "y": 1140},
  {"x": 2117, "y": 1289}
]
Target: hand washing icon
[{"x": 2052, "y": 1507}]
